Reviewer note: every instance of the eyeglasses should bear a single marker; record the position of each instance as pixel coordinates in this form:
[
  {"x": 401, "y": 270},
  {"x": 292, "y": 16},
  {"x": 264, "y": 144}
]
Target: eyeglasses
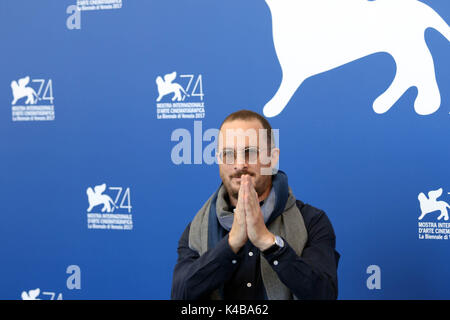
[{"x": 251, "y": 154}]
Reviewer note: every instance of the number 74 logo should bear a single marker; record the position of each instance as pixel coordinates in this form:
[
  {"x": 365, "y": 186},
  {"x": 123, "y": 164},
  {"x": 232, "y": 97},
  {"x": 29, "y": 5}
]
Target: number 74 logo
[{"x": 167, "y": 86}]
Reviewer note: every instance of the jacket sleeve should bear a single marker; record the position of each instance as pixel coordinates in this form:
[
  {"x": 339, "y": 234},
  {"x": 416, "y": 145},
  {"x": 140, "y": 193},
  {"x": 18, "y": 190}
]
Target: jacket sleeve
[
  {"x": 195, "y": 276},
  {"x": 313, "y": 275}
]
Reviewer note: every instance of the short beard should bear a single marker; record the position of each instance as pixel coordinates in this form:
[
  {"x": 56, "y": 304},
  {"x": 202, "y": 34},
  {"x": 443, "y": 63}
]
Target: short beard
[{"x": 259, "y": 189}]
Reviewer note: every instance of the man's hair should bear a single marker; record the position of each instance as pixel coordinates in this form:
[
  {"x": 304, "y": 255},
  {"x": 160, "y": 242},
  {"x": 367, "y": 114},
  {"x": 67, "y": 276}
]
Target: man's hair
[{"x": 251, "y": 115}]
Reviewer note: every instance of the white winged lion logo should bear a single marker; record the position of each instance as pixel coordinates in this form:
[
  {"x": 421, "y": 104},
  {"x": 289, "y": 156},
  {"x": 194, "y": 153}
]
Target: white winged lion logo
[
  {"x": 166, "y": 87},
  {"x": 430, "y": 204},
  {"x": 20, "y": 90},
  {"x": 31, "y": 294},
  {"x": 95, "y": 198},
  {"x": 315, "y": 36}
]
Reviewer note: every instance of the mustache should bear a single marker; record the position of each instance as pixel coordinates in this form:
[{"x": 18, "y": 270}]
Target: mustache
[{"x": 240, "y": 173}]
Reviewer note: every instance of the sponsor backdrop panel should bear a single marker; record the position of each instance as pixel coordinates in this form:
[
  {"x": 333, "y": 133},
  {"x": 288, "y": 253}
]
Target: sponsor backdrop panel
[{"x": 109, "y": 115}]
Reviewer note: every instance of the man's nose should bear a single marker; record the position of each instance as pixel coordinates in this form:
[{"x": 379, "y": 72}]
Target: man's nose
[{"x": 240, "y": 161}]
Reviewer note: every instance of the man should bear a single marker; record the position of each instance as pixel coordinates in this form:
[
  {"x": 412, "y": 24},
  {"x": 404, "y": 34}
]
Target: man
[{"x": 252, "y": 239}]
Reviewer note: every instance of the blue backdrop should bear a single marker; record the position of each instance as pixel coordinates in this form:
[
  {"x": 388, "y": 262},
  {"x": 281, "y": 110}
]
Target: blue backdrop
[{"x": 94, "y": 119}]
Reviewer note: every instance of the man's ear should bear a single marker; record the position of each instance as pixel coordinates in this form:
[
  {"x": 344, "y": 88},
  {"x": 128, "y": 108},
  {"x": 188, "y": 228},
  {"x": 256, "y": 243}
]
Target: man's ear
[
  {"x": 272, "y": 162},
  {"x": 274, "y": 158}
]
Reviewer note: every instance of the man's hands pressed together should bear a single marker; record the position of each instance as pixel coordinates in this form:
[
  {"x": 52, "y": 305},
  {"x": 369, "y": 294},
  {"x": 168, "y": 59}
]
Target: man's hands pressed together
[
  {"x": 248, "y": 223},
  {"x": 238, "y": 233}
]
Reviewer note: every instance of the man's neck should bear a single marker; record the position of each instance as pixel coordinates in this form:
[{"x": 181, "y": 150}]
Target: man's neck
[{"x": 266, "y": 193}]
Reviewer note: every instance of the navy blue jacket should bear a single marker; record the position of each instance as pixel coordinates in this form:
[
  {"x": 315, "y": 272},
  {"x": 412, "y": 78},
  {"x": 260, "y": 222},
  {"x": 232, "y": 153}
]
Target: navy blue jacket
[{"x": 313, "y": 275}]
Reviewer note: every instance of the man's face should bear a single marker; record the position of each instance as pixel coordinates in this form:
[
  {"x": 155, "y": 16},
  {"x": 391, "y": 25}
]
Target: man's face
[{"x": 243, "y": 149}]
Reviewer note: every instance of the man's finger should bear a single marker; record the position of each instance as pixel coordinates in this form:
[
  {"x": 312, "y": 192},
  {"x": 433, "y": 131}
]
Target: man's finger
[
  {"x": 241, "y": 192},
  {"x": 251, "y": 195},
  {"x": 247, "y": 192},
  {"x": 240, "y": 202}
]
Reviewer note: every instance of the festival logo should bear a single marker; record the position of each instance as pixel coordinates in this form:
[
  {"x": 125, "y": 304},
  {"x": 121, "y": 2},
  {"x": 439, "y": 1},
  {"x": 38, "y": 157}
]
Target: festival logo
[
  {"x": 181, "y": 99},
  {"x": 32, "y": 99},
  {"x": 31, "y": 294},
  {"x": 109, "y": 209},
  {"x": 35, "y": 294},
  {"x": 433, "y": 213},
  {"x": 89, "y": 5},
  {"x": 315, "y": 36}
]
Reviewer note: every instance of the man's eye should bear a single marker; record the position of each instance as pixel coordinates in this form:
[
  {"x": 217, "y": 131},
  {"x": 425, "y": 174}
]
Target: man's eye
[
  {"x": 229, "y": 154},
  {"x": 251, "y": 151}
]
